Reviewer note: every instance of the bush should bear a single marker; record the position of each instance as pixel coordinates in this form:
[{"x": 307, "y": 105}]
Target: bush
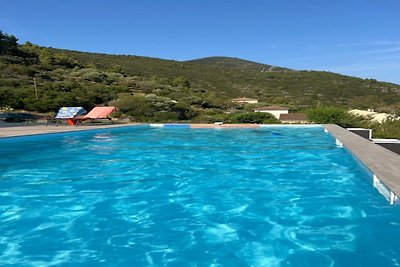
[
  {"x": 65, "y": 61},
  {"x": 254, "y": 117},
  {"x": 184, "y": 112},
  {"x": 211, "y": 118},
  {"x": 181, "y": 81},
  {"x": 116, "y": 69},
  {"x": 113, "y": 77},
  {"x": 388, "y": 129},
  {"x": 94, "y": 76},
  {"x": 335, "y": 115},
  {"x": 134, "y": 105},
  {"x": 46, "y": 56},
  {"x": 164, "y": 116}
]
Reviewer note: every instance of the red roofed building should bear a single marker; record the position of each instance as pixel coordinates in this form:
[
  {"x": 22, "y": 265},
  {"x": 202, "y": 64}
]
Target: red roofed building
[{"x": 294, "y": 118}]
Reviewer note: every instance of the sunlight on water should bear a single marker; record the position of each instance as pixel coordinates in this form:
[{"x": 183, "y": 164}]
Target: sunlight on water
[{"x": 142, "y": 196}]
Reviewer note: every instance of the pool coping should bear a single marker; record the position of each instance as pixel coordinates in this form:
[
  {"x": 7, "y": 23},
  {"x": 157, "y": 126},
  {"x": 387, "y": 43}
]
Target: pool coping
[
  {"x": 383, "y": 164},
  {"x": 32, "y": 130},
  {"x": 29, "y": 130},
  {"x": 227, "y": 126}
]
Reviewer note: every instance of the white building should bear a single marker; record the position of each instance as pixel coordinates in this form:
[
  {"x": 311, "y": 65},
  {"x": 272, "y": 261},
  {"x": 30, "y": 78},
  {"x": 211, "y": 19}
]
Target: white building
[
  {"x": 245, "y": 100},
  {"x": 274, "y": 110}
]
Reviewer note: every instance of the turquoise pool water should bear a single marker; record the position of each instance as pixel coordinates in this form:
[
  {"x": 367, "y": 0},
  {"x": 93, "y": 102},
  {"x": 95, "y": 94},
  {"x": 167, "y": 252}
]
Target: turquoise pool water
[{"x": 140, "y": 196}]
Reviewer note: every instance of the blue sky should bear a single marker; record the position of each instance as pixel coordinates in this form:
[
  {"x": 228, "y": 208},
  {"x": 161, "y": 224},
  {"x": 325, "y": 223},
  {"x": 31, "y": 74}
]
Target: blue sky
[{"x": 354, "y": 37}]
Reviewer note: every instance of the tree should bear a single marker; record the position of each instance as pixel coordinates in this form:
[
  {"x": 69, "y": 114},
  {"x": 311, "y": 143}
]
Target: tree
[
  {"x": 8, "y": 44},
  {"x": 46, "y": 57}
]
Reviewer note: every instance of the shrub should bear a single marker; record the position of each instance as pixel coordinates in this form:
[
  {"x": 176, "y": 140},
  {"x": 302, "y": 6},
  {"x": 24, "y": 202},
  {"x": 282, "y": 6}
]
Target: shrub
[
  {"x": 181, "y": 81},
  {"x": 94, "y": 76},
  {"x": 388, "y": 129},
  {"x": 164, "y": 116},
  {"x": 113, "y": 77},
  {"x": 254, "y": 117},
  {"x": 184, "y": 112},
  {"x": 116, "y": 69},
  {"x": 134, "y": 105},
  {"x": 335, "y": 115},
  {"x": 46, "y": 56},
  {"x": 64, "y": 60}
]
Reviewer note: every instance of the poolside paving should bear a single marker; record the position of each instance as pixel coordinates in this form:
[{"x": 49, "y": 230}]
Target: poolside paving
[
  {"x": 19, "y": 129},
  {"x": 383, "y": 163}
]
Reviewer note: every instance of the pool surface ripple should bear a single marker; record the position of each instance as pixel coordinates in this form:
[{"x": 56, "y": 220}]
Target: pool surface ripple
[{"x": 191, "y": 197}]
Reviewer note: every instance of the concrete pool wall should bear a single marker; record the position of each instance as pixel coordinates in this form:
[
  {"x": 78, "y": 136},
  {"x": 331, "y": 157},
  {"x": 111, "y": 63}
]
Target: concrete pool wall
[{"x": 384, "y": 164}]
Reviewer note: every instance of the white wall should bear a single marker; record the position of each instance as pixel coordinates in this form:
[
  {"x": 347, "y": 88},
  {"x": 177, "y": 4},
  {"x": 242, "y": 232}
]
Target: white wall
[{"x": 246, "y": 101}]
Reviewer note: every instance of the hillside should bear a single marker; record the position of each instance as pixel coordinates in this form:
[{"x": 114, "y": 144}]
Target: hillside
[
  {"x": 230, "y": 77},
  {"x": 195, "y": 88},
  {"x": 236, "y": 63}
]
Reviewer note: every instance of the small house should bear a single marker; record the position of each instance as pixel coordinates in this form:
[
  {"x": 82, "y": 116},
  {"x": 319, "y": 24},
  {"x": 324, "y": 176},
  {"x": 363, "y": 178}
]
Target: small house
[
  {"x": 294, "y": 118},
  {"x": 245, "y": 100}
]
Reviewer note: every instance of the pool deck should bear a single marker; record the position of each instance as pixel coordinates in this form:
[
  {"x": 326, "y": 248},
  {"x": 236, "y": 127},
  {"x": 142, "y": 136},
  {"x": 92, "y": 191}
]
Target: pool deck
[
  {"x": 18, "y": 129},
  {"x": 383, "y": 163}
]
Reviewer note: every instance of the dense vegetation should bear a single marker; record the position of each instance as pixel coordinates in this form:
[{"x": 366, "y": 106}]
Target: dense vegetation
[
  {"x": 43, "y": 79},
  {"x": 333, "y": 115}
]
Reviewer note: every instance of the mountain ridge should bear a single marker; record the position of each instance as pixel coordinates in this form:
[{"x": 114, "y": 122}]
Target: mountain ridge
[{"x": 236, "y": 63}]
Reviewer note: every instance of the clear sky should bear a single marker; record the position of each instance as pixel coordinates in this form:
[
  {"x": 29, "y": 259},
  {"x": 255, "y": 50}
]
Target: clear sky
[{"x": 355, "y": 37}]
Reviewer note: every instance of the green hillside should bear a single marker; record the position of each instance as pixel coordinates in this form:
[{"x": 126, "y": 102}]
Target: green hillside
[
  {"x": 230, "y": 77},
  {"x": 236, "y": 63},
  {"x": 149, "y": 87}
]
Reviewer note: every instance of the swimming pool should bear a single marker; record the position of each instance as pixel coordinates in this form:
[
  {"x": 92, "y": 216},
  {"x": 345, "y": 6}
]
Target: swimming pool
[{"x": 140, "y": 196}]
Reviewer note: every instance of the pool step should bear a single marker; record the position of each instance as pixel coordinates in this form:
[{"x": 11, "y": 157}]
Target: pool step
[{"x": 385, "y": 191}]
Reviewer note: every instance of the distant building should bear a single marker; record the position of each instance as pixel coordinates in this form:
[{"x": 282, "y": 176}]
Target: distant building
[
  {"x": 245, "y": 100},
  {"x": 277, "y": 111},
  {"x": 294, "y": 118}
]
